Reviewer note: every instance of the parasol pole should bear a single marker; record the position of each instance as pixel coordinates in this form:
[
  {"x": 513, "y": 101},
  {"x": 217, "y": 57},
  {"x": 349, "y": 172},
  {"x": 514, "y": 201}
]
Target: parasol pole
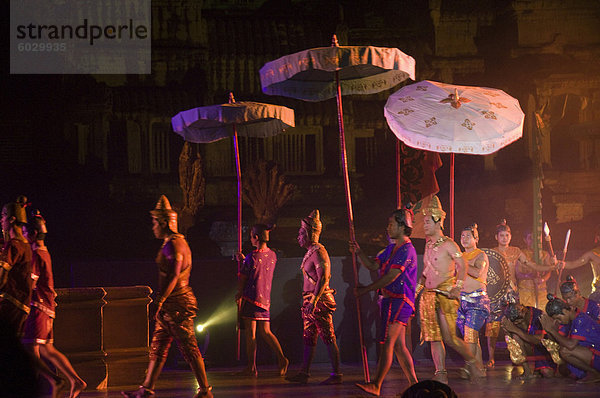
[
  {"x": 398, "y": 178},
  {"x": 451, "y": 216},
  {"x": 344, "y": 161},
  {"x": 238, "y": 171}
]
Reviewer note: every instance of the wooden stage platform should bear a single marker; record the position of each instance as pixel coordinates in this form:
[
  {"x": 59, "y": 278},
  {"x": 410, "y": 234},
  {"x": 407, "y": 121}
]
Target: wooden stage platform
[{"x": 501, "y": 382}]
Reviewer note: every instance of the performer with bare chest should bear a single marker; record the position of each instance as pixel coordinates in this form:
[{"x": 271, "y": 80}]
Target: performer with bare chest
[
  {"x": 512, "y": 255},
  {"x": 592, "y": 257},
  {"x": 531, "y": 284},
  {"x": 443, "y": 278},
  {"x": 176, "y": 305},
  {"x": 318, "y": 303}
]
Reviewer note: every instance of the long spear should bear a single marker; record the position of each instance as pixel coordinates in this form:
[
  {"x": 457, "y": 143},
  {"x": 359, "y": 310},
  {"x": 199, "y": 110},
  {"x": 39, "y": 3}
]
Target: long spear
[
  {"x": 548, "y": 239},
  {"x": 564, "y": 257}
]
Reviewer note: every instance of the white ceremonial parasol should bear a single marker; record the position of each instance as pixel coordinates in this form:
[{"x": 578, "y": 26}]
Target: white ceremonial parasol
[{"x": 453, "y": 119}]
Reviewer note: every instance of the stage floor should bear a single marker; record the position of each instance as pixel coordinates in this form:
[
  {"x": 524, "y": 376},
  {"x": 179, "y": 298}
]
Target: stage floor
[{"x": 501, "y": 382}]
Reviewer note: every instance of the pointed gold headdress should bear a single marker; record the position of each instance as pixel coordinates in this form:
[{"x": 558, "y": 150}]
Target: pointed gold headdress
[
  {"x": 434, "y": 209},
  {"x": 164, "y": 212},
  {"x": 16, "y": 209},
  {"x": 313, "y": 225}
]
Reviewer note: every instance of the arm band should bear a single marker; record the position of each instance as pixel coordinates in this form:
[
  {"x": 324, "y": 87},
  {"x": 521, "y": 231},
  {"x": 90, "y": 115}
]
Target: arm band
[
  {"x": 419, "y": 288},
  {"x": 5, "y": 265}
]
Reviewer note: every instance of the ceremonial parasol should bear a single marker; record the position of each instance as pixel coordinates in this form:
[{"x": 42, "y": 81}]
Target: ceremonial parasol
[
  {"x": 454, "y": 119},
  {"x": 247, "y": 119},
  {"x": 322, "y": 73}
]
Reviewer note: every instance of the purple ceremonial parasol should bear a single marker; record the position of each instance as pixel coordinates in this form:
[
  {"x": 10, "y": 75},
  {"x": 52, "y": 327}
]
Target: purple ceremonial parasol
[
  {"x": 326, "y": 72},
  {"x": 247, "y": 119}
]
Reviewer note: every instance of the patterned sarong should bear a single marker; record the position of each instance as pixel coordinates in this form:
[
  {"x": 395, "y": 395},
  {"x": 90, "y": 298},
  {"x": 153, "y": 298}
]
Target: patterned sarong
[
  {"x": 320, "y": 323},
  {"x": 431, "y": 302}
]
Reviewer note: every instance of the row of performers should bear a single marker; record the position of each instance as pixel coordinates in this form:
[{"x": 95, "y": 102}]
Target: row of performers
[
  {"x": 454, "y": 306},
  {"x": 453, "y": 299},
  {"x": 27, "y": 309}
]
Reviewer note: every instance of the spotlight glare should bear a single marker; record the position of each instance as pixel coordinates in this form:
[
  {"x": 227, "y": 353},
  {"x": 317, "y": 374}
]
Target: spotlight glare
[{"x": 200, "y": 328}]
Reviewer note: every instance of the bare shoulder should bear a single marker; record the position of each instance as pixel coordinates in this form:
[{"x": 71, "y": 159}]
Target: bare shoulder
[
  {"x": 321, "y": 254},
  {"x": 592, "y": 255},
  {"x": 481, "y": 257},
  {"x": 178, "y": 243},
  {"x": 451, "y": 248}
]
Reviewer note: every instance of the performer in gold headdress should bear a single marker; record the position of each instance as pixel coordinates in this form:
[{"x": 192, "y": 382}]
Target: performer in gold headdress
[
  {"x": 592, "y": 257},
  {"x": 444, "y": 263},
  {"x": 318, "y": 303},
  {"x": 512, "y": 255},
  {"x": 176, "y": 304},
  {"x": 39, "y": 330},
  {"x": 16, "y": 284}
]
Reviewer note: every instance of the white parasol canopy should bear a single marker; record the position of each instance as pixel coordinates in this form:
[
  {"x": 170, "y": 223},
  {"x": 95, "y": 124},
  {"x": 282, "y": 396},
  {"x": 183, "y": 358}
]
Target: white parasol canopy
[{"x": 448, "y": 118}]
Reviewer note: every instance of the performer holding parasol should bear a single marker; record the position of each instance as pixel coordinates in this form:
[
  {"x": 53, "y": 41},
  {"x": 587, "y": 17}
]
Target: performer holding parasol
[
  {"x": 592, "y": 257},
  {"x": 254, "y": 297},
  {"x": 397, "y": 268}
]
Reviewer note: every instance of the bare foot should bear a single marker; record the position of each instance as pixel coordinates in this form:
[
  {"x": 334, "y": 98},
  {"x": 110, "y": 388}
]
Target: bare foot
[
  {"x": 334, "y": 378},
  {"x": 474, "y": 370},
  {"x": 527, "y": 376},
  {"x": 441, "y": 376},
  {"x": 464, "y": 374},
  {"x": 248, "y": 372},
  {"x": 77, "y": 388},
  {"x": 283, "y": 367},
  {"x": 60, "y": 387},
  {"x": 301, "y": 377},
  {"x": 204, "y": 392},
  {"x": 141, "y": 392},
  {"x": 592, "y": 377},
  {"x": 490, "y": 364},
  {"x": 370, "y": 388}
]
